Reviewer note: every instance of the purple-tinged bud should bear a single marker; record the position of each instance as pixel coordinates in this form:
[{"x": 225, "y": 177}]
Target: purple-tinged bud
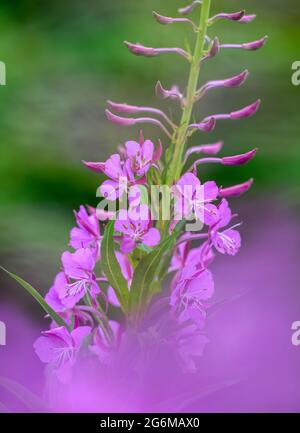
[
  {"x": 158, "y": 152},
  {"x": 134, "y": 109},
  {"x": 236, "y": 190},
  {"x": 206, "y": 125},
  {"x": 213, "y": 51},
  {"x": 121, "y": 121},
  {"x": 124, "y": 121},
  {"x": 239, "y": 159},
  {"x": 253, "y": 46},
  {"x": 248, "y": 111},
  {"x": 227, "y": 160},
  {"x": 247, "y": 19},
  {"x": 236, "y": 16},
  {"x": 250, "y": 46},
  {"x": 187, "y": 9},
  {"x": 235, "y": 81},
  {"x": 123, "y": 108},
  {"x": 141, "y": 50},
  {"x": 173, "y": 93},
  {"x": 209, "y": 149},
  {"x": 98, "y": 167},
  {"x": 161, "y": 19}
]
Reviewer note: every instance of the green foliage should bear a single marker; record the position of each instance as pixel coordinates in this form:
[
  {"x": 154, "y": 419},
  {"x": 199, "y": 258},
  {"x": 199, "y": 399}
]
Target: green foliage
[
  {"x": 36, "y": 295},
  {"x": 111, "y": 267}
]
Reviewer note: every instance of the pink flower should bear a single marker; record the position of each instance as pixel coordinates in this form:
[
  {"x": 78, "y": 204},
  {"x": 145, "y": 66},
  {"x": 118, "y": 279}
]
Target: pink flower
[
  {"x": 227, "y": 241},
  {"x": 87, "y": 234},
  {"x": 79, "y": 267},
  {"x": 137, "y": 230},
  {"x": 56, "y": 292},
  {"x": 141, "y": 156},
  {"x": 59, "y": 348},
  {"x": 195, "y": 285},
  {"x": 190, "y": 344},
  {"x": 102, "y": 347},
  {"x": 194, "y": 199}
]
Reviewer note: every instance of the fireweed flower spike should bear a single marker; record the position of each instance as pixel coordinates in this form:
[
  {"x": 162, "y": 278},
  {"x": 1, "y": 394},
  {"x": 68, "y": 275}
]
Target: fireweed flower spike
[{"x": 127, "y": 259}]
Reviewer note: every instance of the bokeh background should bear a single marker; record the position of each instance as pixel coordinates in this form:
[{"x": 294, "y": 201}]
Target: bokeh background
[{"x": 64, "y": 60}]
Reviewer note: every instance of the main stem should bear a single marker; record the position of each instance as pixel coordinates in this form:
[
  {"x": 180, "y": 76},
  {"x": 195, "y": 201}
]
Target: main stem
[{"x": 181, "y": 135}]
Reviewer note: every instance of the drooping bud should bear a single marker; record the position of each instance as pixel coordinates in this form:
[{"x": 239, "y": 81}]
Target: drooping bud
[
  {"x": 239, "y": 159},
  {"x": 235, "y": 81},
  {"x": 121, "y": 121},
  {"x": 245, "y": 112},
  {"x": 213, "y": 51},
  {"x": 207, "y": 125},
  {"x": 227, "y": 160},
  {"x": 236, "y": 16},
  {"x": 209, "y": 149},
  {"x": 173, "y": 93},
  {"x": 161, "y": 19},
  {"x": 158, "y": 152},
  {"x": 134, "y": 109},
  {"x": 248, "y": 111},
  {"x": 236, "y": 190},
  {"x": 187, "y": 9},
  {"x": 250, "y": 46},
  {"x": 141, "y": 50},
  {"x": 247, "y": 19},
  {"x": 124, "y": 121},
  {"x": 98, "y": 167}
]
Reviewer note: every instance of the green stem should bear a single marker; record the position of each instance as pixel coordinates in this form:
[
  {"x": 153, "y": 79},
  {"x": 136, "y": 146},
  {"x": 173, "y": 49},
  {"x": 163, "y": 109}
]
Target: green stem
[{"x": 181, "y": 135}]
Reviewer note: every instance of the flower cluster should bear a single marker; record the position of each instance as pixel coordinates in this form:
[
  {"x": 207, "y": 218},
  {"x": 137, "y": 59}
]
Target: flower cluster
[{"x": 121, "y": 256}]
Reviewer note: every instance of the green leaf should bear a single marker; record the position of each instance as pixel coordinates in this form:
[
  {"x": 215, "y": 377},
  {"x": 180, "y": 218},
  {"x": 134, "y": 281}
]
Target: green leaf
[
  {"x": 145, "y": 274},
  {"x": 111, "y": 267},
  {"x": 33, "y": 292},
  {"x": 30, "y": 400}
]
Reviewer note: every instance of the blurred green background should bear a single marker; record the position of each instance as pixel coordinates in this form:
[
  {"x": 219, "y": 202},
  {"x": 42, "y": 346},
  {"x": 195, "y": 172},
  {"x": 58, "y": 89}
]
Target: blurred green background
[{"x": 65, "y": 59}]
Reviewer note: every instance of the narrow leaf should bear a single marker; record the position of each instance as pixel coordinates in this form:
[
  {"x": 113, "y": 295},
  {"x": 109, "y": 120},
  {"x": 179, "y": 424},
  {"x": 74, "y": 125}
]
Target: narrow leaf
[
  {"x": 146, "y": 272},
  {"x": 111, "y": 267},
  {"x": 36, "y": 295}
]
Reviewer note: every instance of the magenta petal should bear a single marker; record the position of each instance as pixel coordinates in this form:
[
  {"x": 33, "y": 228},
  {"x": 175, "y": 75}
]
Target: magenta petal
[
  {"x": 132, "y": 148},
  {"x": 148, "y": 150},
  {"x": 112, "y": 297},
  {"x": 151, "y": 238},
  {"x": 79, "y": 334},
  {"x": 127, "y": 245},
  {"x": 202, "y": 287}
]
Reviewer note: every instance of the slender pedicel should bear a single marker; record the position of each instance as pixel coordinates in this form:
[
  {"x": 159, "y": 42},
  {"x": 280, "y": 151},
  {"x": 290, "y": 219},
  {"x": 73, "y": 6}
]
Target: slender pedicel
[
  {"x": 209, "y": 149},
  {"x": 250, "y": 46}
]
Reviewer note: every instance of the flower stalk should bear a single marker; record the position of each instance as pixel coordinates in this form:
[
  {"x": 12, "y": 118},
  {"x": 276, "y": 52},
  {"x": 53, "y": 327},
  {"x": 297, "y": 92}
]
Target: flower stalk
[{"x": 180, "y": 135}]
